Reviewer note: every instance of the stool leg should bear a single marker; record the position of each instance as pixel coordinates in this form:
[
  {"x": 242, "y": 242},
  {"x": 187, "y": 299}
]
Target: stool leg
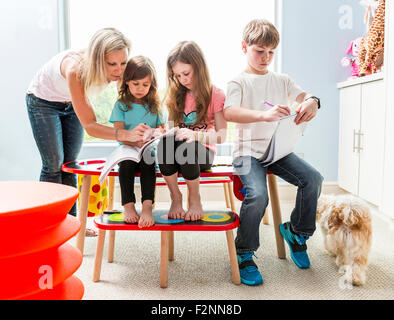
[
  {"x": 231, "y": 196},
  {"x": 225, "y": 188},
  {"x": 164, "y": 260},
  {"x": 111, "y": 246},
  {"x": 111, "y": 192},
  {"x": 233, "y": 257},
  {"x": 171, "y": 245},
  {"x": 99, "y": 255},
  {"x": 83, "y": 211},
  {"x": 111, "y": 238},
  {"x": 276, "y": 215},
  {"x": 266, "y": 219}
]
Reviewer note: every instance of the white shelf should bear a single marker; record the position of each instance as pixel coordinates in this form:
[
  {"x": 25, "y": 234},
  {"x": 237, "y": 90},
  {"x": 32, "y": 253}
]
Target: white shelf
[{"x": 369, "y": 78}]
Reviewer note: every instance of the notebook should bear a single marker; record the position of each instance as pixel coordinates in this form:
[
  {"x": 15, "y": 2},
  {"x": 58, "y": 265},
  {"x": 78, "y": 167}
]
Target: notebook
[{"x": 284, "y": 140}]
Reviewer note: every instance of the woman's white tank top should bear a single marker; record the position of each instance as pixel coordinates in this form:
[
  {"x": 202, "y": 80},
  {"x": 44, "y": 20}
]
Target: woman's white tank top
[{"x": 48, "y": 83}]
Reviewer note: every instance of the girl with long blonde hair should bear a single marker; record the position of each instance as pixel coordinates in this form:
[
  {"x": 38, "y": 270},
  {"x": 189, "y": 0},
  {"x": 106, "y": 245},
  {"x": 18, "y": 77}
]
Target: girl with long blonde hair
[
  {"x": 196, "y": 107},
  {"x": 58, "y": 102}
]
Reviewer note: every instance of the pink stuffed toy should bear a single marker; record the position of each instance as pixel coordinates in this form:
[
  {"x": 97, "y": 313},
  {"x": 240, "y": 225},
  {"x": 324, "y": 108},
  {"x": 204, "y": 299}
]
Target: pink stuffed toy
[{"x": 353, "y": 59}]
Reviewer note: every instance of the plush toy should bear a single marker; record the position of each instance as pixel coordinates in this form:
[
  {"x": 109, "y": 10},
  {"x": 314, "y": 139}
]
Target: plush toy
[
  {"x": 372, "y": 45},
  {"x": 370, "y": 11},
  {"x": 352, "y": 60}
]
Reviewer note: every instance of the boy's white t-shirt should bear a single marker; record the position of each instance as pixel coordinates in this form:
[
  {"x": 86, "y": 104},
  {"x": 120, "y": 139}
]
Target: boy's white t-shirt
[{"x": 250, "y": 91}]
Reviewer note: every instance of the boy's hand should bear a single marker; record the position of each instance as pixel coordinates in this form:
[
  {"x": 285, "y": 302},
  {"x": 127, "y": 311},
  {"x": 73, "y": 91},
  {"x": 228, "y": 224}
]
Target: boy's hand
[
  {"x": 275, "y": 113},
  {"x": 306, "y": 111}
]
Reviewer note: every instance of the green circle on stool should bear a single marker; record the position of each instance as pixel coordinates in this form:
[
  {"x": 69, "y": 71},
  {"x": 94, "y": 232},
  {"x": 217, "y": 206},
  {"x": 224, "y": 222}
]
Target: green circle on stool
[
  {"x": 216, "y": 217},
  {"x": 116, "y": 217}
]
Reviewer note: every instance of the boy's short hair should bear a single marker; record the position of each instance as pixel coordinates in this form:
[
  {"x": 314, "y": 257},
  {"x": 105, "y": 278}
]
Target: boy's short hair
[{"x": 262, "y": 33}]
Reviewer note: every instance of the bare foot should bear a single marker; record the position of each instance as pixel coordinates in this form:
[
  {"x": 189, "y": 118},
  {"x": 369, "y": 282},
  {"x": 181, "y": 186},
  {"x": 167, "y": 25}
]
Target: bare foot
[
  {"x": 130, "y": 214},
  {"x": 176, "y": 209},
  {"x": 146, "y": 219},
  {"x": 195, "y": 211}
]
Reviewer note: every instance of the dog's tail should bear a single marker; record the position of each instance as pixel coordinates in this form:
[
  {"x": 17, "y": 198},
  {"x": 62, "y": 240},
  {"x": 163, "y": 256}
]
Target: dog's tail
[{"x": 353, "y": 214}]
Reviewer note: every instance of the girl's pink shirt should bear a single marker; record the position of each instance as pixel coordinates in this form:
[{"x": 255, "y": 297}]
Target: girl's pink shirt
[{"x": 216, "y": 105}]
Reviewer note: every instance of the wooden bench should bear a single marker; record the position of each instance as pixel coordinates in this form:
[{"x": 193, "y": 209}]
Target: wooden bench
[{"x": 212, "y": 221}]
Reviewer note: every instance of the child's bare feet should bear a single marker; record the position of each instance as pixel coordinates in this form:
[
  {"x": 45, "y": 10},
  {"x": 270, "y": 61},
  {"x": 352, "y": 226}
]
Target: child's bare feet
[
  {"x": 130, "y": 214},
  {"x": 195, "y": 211},
  {"x": 176, "y": 209},
  {"x": 146, "y": 219}
]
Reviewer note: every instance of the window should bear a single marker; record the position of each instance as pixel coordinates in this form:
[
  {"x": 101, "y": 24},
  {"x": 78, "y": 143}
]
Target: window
[{"x": 156, "y": 26}]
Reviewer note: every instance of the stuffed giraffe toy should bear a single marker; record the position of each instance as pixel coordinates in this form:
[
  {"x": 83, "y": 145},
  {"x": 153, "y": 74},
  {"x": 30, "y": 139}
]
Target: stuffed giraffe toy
[{"x": 372, "y": 44}]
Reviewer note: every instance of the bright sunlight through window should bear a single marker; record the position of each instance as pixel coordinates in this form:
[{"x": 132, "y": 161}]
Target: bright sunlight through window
[{"x": 156, "y": 26}]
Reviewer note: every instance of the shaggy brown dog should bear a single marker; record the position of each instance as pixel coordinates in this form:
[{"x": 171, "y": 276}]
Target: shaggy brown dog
[{"x": 346, "y": 224}]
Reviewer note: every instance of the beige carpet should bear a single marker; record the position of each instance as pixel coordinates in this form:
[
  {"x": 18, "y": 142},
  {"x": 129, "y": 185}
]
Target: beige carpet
[{"x": 201, "y": 268}]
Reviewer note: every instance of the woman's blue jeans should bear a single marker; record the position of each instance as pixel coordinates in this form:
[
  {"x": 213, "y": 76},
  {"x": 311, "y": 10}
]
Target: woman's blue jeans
[
  {"x": 254, "y": 178},
  {"x": 59, "y": 137}
]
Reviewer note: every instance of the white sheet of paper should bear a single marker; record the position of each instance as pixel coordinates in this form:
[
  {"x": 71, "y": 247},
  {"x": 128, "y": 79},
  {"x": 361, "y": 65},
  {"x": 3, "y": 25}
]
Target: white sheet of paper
[{"x": 284, "y": 140}]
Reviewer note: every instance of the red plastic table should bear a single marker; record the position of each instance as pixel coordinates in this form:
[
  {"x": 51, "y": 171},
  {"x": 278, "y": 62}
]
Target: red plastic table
[
  {"x": 35, "y": 260},
  {"x": 92, "y": 167}
]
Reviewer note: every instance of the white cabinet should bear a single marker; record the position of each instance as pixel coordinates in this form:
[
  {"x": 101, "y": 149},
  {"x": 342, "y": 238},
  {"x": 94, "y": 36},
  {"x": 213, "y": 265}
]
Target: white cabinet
[
  {"x": 361, "y": 137},
  {"x": 349, "y": 125}
]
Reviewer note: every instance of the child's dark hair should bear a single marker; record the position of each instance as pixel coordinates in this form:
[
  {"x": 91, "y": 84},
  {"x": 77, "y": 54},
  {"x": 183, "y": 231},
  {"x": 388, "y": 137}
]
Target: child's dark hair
[
  {"x": 262, "y": 33},
  {"x": 138, "y": 68}
]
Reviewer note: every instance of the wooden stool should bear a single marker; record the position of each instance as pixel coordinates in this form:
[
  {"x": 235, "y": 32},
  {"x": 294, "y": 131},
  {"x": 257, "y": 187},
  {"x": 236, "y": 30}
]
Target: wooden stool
[
  {"x": 212, "y": 221},
  {"x": 275, "y": 206},
  {"x": 226, "y": 181},
  {"x": 228, "y": 194}
]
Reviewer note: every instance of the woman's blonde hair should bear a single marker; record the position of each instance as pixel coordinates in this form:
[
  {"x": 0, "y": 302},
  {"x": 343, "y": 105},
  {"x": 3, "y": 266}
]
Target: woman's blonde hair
[
  {"x": 188, "y": 52},
  {"x": 138, "y": 68},
  {"x": 103, "y": 42}
]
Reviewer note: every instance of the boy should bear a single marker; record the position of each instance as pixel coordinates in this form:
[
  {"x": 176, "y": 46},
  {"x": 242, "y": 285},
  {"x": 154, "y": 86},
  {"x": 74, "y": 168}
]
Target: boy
[{"x": 256, "y": 123}]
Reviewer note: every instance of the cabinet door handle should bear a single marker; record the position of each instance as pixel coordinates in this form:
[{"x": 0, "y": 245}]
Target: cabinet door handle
[
  {"x": 354, "y": 141},
  {"x": 360, "y": 134}
]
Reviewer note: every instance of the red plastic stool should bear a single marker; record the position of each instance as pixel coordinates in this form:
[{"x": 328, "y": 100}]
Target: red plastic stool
[
  {"x": 35, "y": 261},
  {"x": 275, "y": 206}
]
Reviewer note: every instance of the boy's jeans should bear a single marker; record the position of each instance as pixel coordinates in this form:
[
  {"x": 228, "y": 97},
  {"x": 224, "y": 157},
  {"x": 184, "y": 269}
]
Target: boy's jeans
[
  {"x": 254, "y": 178},
  {"x": 59, "y": 137}
]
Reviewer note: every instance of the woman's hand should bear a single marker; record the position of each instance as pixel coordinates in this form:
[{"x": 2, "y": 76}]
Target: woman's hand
[
  {"x": 140, "y": 134},
  {"x": 158, "y": 132},
  {"x": 306, "y": 111},
  {"x": 275, "y": 113},
  {"x": 186, "y": 134}
]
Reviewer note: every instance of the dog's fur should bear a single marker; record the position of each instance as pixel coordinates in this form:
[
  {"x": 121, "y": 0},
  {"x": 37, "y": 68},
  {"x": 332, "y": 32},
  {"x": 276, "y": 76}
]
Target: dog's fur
[{"x": 346, "y": 225}]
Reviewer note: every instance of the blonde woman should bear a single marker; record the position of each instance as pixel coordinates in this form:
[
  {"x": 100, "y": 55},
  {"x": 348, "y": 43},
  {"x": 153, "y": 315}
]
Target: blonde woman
[
  {"x": 196, "y": 106},
  {"x": 58, "y": 102}
]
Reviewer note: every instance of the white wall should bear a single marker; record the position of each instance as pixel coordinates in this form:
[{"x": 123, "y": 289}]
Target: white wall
[{"x": 28, "y": 37}]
